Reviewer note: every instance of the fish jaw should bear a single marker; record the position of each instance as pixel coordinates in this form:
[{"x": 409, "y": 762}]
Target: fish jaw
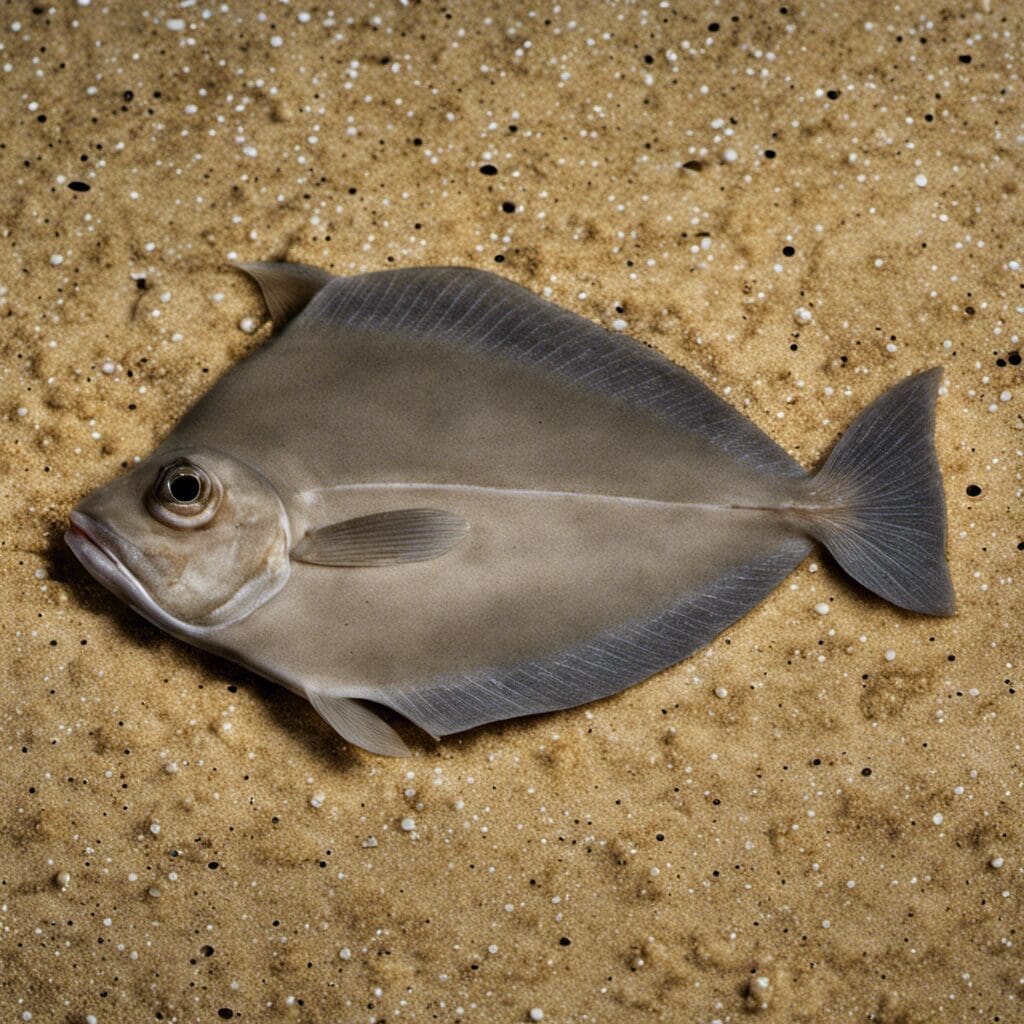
[{"x": 95, "y": 545}]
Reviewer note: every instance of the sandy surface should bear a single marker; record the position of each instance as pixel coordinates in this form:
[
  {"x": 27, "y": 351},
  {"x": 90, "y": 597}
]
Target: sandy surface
[{"x": 838, "y": 835}]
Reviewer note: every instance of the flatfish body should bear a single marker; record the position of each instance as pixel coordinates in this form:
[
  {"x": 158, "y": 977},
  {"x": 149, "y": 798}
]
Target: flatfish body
[{"x": 485, "y": 506}]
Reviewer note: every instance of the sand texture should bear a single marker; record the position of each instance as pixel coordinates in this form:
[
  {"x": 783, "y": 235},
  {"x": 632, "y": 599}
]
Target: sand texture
[{"x": 817, "y": 818}]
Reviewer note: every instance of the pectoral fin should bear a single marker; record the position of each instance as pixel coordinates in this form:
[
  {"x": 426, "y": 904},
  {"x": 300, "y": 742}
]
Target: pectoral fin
[{"x": 385, "y": 538}]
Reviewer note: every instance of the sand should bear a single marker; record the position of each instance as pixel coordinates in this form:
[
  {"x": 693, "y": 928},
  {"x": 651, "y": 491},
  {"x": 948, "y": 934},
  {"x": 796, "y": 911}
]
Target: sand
[{"x": 817, "y": 818}]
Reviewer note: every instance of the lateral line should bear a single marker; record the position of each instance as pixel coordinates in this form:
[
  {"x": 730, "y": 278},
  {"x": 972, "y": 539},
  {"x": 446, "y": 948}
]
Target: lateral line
[{"x": 529, "y": 493}]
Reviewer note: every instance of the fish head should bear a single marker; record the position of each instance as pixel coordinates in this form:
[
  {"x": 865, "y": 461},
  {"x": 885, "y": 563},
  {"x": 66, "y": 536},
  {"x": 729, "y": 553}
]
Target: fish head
[{"x": 192, "y": 539}]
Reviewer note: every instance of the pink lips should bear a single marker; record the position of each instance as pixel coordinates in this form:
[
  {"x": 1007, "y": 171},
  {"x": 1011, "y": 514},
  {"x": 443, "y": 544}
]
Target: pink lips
[{"x": 80, "y": 524}]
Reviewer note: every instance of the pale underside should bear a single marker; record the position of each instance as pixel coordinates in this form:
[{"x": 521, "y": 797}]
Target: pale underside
[{"x": 620, "y": 514}]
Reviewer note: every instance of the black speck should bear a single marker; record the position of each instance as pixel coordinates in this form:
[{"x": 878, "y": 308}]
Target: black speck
[
  {"x": 1013, "y": 359},
  {"x": 769, "y": 154},
  {"x": 225, "y": 1013},
  {"x": 833, "y": 94},
  {"x": 865, "y": 772},
  {"x": 713, "y": 27},
  {"x": 128, "y": 95},
  {"x": 973, "y": 490},
  {"x": 508, "y": 206},
  {"x": 565, "y": 941},
  {"x": 965, "y": 58},
  {"x": 788, "y": 250},
  {"x": 488, "y": 169},
  {"x": 79, "y": 186}
]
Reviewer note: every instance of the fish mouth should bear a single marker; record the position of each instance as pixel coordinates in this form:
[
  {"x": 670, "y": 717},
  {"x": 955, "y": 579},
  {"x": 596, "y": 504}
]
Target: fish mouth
[
  {"x": 95, "y": 546},
  {"x": 87, "y": 540}
]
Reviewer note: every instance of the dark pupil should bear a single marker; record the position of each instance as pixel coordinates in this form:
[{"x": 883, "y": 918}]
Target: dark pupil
[{"x": 185, "y": 488}]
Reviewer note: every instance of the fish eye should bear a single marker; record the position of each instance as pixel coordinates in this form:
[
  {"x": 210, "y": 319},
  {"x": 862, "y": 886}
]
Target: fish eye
[{"x": 184, "y": 495}]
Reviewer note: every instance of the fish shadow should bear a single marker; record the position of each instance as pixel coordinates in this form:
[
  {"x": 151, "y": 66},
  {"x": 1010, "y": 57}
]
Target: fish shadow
[{"x": 289, "y": 711}]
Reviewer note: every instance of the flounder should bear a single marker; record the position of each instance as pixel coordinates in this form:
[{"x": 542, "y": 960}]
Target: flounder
[{"x": 438, "y": 492}]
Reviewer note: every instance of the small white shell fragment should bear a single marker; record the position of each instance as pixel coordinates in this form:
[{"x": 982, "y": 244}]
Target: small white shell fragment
[
  {"x": 408, "y": 824},
  {"x": 890, "y": 655},
  {"x": 996, "y": 862},
  {"x": 802, "y": 315},
  {"x": 821, "y": 608},
  {"x": 345, "y": 954},
  {"x": 920, "y": 181},
  {"x": 248, "y": 324},
  {"x": 317, "y": 800},
  {"x": 536, "y": 1013},
  {"x": 937, "y": 818},
  {"x": 721, "y": 691}
]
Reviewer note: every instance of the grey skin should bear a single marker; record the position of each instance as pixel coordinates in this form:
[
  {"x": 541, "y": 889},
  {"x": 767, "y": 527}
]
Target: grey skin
[{"x": 438, "y": 492}]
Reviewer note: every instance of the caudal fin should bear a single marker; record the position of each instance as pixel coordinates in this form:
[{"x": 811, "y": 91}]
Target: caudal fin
[{"x": 878, "y": 500}]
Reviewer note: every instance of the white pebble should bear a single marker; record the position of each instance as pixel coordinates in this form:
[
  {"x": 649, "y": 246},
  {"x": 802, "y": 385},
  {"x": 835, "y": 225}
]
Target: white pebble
[
  {"x": 345, "y": 954},
  {"x": 721, "y": 691},
  {"x": 63, "y": 879},
  {"x": 56, "y": 260},
  {"x": 108, "y": 367},
  {"x": 276, "y": 41},
  {"x": 176, "y": 24},
  {"x": 317, "y": 800},
  {"x": 536, "y": 1013},
  {"x": 248, "y": 324},
  {"x": 937, "y": 819},
  {"x": 154, "y": 827},
  {"x": 996, "y": 862},
  {"x": 802, "y": 316},
  {"x": 821, "y": 608},
  {"x": 1005, "y": 396},
  {"x": 920, "y": 181},
  {"x": 619, "y": 325},
  {"x": 890, "y": 655},
  {"x": 730, "y": 156},
  {"x": 408, "y": 824}
]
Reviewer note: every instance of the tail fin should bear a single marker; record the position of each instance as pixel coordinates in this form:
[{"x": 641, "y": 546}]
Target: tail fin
[{"x": 884, "y": 514}]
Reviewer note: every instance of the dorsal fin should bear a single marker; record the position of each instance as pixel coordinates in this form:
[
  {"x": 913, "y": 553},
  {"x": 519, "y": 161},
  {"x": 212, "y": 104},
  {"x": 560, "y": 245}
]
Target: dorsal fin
[
  {"x": 485, "y": 313},
  {"x": 287, "y": 287}
]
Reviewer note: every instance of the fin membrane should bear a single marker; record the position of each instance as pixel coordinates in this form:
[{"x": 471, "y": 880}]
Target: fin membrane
[
  {"x": 485, "y": 313},
  {"x": 885, "y": 520},
  {"x": 385, "y": 538},
  {"x": 607, "y": 663},
  {"x": 359, "y": 725}
]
